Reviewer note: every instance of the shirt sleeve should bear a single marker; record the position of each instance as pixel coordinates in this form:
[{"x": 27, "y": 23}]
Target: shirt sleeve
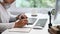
[{"x": 4, "y": 26}]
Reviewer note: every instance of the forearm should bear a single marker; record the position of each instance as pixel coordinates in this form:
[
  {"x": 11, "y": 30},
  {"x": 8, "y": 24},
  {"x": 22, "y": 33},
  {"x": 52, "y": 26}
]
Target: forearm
[{"x": 4, "y": 26}]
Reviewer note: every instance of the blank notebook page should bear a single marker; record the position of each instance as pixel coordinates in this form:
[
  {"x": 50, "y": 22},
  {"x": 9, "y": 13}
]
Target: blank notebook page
[{"x": 25, "y": 30}]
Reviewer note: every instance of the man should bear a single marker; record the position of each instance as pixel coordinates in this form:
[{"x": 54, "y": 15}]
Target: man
[{"x": 5, "y": 17}]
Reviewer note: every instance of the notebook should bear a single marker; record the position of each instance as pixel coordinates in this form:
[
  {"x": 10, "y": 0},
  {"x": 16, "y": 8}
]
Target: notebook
[
  {"x": 31, "y": 21},
  {"x": 40, "y": 24},
  {"x": 22, "y": 30}
]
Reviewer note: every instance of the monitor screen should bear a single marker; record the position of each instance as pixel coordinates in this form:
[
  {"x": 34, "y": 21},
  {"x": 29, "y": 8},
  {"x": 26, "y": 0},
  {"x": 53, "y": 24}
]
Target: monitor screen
[
  {"x": 57, "y": 14},
  {"x": 57, "y": 8}
]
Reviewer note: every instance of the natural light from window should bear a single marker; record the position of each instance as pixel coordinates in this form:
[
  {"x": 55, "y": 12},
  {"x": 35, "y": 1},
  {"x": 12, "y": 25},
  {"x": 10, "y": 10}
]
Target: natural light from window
[{"x": 35, "y": 3}]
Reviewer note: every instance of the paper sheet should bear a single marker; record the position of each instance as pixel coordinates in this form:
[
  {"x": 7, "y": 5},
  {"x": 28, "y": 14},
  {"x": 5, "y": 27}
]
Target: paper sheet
[{"x": 24, "y": 30}]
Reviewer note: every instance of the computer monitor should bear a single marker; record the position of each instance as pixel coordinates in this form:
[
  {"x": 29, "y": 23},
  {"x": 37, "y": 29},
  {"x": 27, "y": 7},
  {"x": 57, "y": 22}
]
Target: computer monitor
[
  {"x": 57, "y": 15},
  {"x": 57, "y": 8}
]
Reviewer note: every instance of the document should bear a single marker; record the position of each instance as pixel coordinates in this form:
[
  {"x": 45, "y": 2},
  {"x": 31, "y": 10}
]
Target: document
[{"x": 23, "y": 30}]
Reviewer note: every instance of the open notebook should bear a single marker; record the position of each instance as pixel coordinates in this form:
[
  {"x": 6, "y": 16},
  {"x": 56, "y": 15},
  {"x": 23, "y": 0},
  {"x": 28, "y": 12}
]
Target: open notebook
[
  {"x": 24, "y": 30},
  {"x": 40, "y": 24}
]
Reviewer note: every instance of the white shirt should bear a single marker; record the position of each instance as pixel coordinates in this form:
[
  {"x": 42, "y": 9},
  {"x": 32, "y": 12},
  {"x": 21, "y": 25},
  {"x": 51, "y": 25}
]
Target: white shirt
[{"x": 4, "y": 15}]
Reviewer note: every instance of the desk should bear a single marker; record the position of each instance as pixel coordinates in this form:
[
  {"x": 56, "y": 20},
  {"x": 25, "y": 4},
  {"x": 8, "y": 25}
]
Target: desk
[{"x": 33, "y": 31}]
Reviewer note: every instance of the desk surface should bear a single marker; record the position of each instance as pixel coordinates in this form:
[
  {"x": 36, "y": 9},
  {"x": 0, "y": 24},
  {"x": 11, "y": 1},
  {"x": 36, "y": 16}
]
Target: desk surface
[{"x": 33, "y": 31}]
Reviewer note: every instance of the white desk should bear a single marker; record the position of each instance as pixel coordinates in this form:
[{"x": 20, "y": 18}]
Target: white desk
[{"x": 33, "y": 31}]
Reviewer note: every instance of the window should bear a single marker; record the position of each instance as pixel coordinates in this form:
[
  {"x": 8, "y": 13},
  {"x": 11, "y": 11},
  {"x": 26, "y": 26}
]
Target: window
[{"x": 36, "y": 3}]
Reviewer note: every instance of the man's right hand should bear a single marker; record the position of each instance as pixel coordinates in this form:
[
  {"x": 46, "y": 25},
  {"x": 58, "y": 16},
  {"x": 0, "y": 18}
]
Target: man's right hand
[
  {"x": 21, "y": 23},
  {"x": 21, "y": 16}
]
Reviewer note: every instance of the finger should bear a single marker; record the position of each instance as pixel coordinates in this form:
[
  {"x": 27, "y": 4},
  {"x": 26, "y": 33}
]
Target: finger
[
  {"x": 25, "y": 22},
  {"x": 23, "y": 19},
  {"x": 24, "y": 16}
]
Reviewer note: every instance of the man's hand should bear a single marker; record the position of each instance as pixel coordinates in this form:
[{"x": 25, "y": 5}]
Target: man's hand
[
  {"x": 21, "y": 16},
  {"x": 21, "y": 23}
]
